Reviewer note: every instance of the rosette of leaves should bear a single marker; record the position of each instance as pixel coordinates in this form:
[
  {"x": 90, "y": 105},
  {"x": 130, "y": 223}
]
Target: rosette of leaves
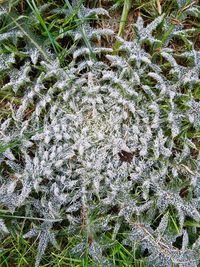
[{"x": 107, "y": 149}]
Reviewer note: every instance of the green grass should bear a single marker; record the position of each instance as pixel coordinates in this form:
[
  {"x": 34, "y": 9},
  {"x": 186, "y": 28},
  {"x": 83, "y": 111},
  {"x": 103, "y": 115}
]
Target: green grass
[{"x": 16, "y": 251}]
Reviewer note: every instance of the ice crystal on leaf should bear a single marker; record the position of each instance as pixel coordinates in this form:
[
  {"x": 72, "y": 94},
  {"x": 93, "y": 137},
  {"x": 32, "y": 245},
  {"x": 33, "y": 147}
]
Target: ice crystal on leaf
[{"x": 103, "y": 135}]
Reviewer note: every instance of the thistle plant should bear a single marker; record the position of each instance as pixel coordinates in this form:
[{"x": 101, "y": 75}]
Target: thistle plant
[{"x": 105, "y": 148}]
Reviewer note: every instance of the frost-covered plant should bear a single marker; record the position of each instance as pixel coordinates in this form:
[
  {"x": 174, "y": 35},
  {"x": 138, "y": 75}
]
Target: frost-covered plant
[{"x": 106, "y": 136}]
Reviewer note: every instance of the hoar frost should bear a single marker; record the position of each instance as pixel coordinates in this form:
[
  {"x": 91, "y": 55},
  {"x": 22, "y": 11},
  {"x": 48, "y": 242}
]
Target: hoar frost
[{"x": 100, "y": 138}]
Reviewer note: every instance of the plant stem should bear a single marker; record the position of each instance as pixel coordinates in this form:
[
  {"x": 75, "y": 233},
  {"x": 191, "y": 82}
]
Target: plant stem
[
  {"x": 122, "y": 24},
  {"x": 126, "y": 9},
  {"x": 83, "y": 33}
]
